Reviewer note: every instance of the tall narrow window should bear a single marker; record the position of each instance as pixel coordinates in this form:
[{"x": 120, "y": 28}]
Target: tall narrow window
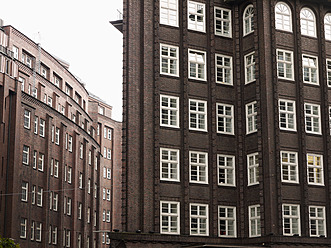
[
  {"x": 196, "y": 16},
  {"x": 312, "y": 118},
  {"x": 315, "y": 169},
  {"x": 40, "y": 197},
  {"x": 289, "y": 163},
  {"x": 223, "y": 22},
  {"x": 169, "y": 12},
  {"x": 307, "y": 22},
  {"x": 248, "y": 20},
  {"x": 42, "y": 128},
  {"x": 27, "y": 115},
  {"x": 169, "y": 60},
  {"x": 227, "y": 221},
  {"x": 36, "y": 125},
  {"x": 25, "y": 190},
  {"x": 169, "y": 111},
  {"x": 283, "y": 17},
  {"x": 199, "y": 219},
  {"x": 225, "y": 118},
  {"x": 169, "y": 217},
  {"x": 223, "y": 69},
  {"x": 254, "y": 221},
  {"x": 253, "y": 168},
  {"x": 249, "y": 68},
  {"x": 328, "y": 71},
  {"x": 285, "y": 64},
  {"x": 169, "y": 164},
  {"x": 23, "y": 228},
  {"x": 327, "y": 26},
  {"x": 198, "y": 115},
  {"x": 287, "y": 117},
  {"x": 317, "y": 223},
  {"x": 26, "y": 154},
  {"x": 57, "y": 136},
  {"x": 41, "y": 160},
  {"x": 226, "y": 170},
  {"x": 198, "y": 167},
  {"x": 38, "y": 231},
  {"x": 197, "y": 64},
  {"x": 291, "y": 219},
  {"x": 251, "y": 117},
  {"x": 310, "y": 69}
]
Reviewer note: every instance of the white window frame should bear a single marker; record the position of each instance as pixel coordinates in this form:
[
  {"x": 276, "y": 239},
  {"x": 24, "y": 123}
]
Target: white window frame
[
  {"x": 57, "y": 136},
  {"x": 312, "y": 118},
  {"x": 249, "y": 60},
  {"x": 254, "y": 221},
  {"x": 328, "y": 69},
  {"x": 285, "y": 68},
  {"x": 70, "y": 143},
  {"x": 108, "y": 216},
  {"x": 224, "y": 71},
  {"x": 248, "y": 20},
  {"x": 253, "y": 169},
  {"x": 169, "y": 111},
  {"x": 108, "y": 192},
  {"x": 289, "y": 167},
  {"x": 287, "y": 115},
  {"x": 169, "y": 217},
  {"x": 169, "y": 164},
  {"x": 23, "y": 228},
  {"x": 169, "y": 60},
  {"x": 54, "y": 235},
  {"x": 56, "y": 168},
  {"x": 251, "y": 117},
  {"x": 40, "y": 197},
  {"x": 283, "y": 17},
  {"x": 169, "y": 12},
  {"x": 108, "y": 173},
  {"x": 226, "y": 165},
  {"x": 315, "y": 169},
  {"x": 197, "y": 60},
  {"x": 199, "y": 217},
  {"x": 307, "y": 22},
  {"x": 199, "y": 166},
  {"x": 317, "y": 221},
  {"x": 108, "y": 153},
  {"x": 225, "y": 116},
  {"x": 193, "y": 10},
  {"x": 199, "y": 115},
  {"x": 327, "y": 26},
  {"x": 310, "y": 65},
  {"x": 42, "y": 124},
  {"x": 15, "y": 52},
  {"x": 223, "y": 21},
  {"x": 229, "y": 221},
  {"x": 41, "y": 161},
  {"x": 25, "y": 190},
  {"x": 292, "y": 218},
  {"x": 27, "y": 119},
  {"x": 26, "y": 155},
  {"x": 38, "y": 231}
]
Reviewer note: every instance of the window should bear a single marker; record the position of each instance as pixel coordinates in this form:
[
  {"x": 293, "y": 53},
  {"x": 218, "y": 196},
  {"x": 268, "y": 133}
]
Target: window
[
  {"x": 196, "y": 16},
  {"x": 36, "y": 125},
  {"x": 57, "y": 136},
  {"x": 38, "y": 231},
  {"x": 109, "y": 153},
  {"x": 251, "y": 117},
  {"x": 89, "y": 186},
  {"x": 40, "y": 197},
  {"x": 34, "y": 161},
  {"x": 88, "y": 215},
  {"x": 317, "y": 223},
  {"x": 287, "y": 115},
  {"x": 169, "y": 12},
  {"x": 249, "y": 68},
  {"x": 57, "y": 80},
  {"x": 226, "y": 170},
  {"x": 33, "y": 195},
  {"x": 197, "y": 64},
  {"x": 80, "y": 208},
  {"x": 169, "y": 111},
  {"x": 327, "y": 26},
  {"x": 41, "y": 159},
  {"x": 227, "y": 221},
  {"x": 25, "y": 190},
  {"x": 291, "y": 219},
  {"x": 109, "y": 133},
  {"x": 80, "y": 180},
  {"x": 15, "y": 52},
  {"x": 198, "y": 115},
  {"x": 81, "y": 150},
  {"x": 225, "y": 118},
  {"x": 199, "y": 219},
  {"x": 249, "y": 20},
  {"x": 253, "y": 169},
  {"x": 108, "y": 173},
  {"x": 198, "y": 167},
  {"x": 23, "y": 228},
  {"x": 169, "y": 163},
  {"x": 289, "y": 163},
  {"x": 315, "y": 169},
  {"x": 223, "y": 22},
  {"x": 54, "y": 235},
  {"x": 43, "y": 71},
  {"x": 328, "y": 70},
  {"x": 283, "y": 17},
  {"x": 67, "y": 237},
  {"x": 22, "y": 80},
  {"x": 104, "y": 194},
  {"x": 310, "y": 70},
  {"x": 108, "y": 216},
  {"x": 307, "y": 22},
  {"x": 79, "y": 240},
  {"x": 101, "y": 110},
  {"x": 223, "y": 69},
  {"x": 50, "y": 101},
  {"x": 108, "y": 194},
  {"x": 169, "y": 60},
  {"x": 55, "y": 201},
  {"x": 169, "y": 217},
  {"x": 70, "y": 143},
  {"x": 105, "y": 152},
  {"x": 312, "y": 118},
  {"x": 56, "y": 168},
  {"x": 285, "y": 64},
  {"x": 27, "y": 115},
  {"x": 42, "y": 128},
  {"x": 69, "y": 206},
  {"x": 26, "y": 154},
  {"x": 254, "y": 221},
  {"x": 69, "y": 174},
  {"x": 32, "y": 230}
]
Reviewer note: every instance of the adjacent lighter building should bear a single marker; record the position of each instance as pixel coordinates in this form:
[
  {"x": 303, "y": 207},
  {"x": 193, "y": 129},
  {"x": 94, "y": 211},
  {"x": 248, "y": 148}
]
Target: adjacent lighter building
[{"x": 226, "y": 132}]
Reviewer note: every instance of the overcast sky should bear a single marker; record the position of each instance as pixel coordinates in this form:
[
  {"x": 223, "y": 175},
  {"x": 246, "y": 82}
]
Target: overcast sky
[{"x": 79, "y": 32}]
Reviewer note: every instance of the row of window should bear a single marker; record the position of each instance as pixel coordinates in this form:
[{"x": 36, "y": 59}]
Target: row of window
[
  {"x": 106, "y": 173},
  {"x": 106, "y": 216},
  {"x": 226, "y": 169},
  {"x": 227, "y": 222},
  {"x": 107, "y": 153},
  {"x": 223, "y": 19},
  {"x": 106, "y": 194}
]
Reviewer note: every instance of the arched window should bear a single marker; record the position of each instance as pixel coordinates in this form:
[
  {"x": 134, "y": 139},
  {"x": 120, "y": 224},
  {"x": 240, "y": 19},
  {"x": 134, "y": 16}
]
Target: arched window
[
  {"x": 307, "y": 21},
  {"x": 249, "y": 19},
  {"x": 327, "y": 26},
  {"x": 283, "y": 17}
]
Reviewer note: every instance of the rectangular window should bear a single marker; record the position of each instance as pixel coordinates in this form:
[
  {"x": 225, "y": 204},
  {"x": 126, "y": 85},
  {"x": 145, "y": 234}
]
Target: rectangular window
[
  {"x": 251, "y": 117},
  {"x": 25, "y": 190},
  {"x": 69, "y": 175},
  {"x": 34, "y": 160},
  {"x": 105, "y": 152},
  {"x": 226, "y": 170},
  {"x": 42, "y": 128},
  {"x": 81, "y": 151},
  {"x": 26, "y": 155},
  {"x": 55, "y": 201},
  {"x": 36, "y": 125},
  {"x": 32, "y": 232},
  {"x": 169, "y": 111},
  {"x": 328, "y": 71},
  {"x": 41, "y": 160},
  {"x": 253, "y": 168},
  {"x": 315, "y": 169},
  {"x": 108, "y": 216},
  {"x": 198, "y": 167},
  {"x": 223, "y": 69},
  {"x": 38, "y": 231},
  {"x": 169, "y": 217},
  {"x": 198, "y": 115},
  {"x": 95, "y": 190},
  {"x": 104, "y": 194},
  {"x": 56, "y": 168},
  {"x": 15, "y": 52},
  {"x": 312, "y": 118},
  {"x": 108, "y": 194},
  {"x": 89, "y": 157},
  {"x": 196, "y": 16},
  {"x": 50, "y": 101},
  {"x": 169, "y": 163},
  {"x": 289, "y": 162},
  {"x": 197, "y": 64},
  {"x": 199, "y": 219},
  {"x": 169, "y": 12},
  {"x": 310, "y": 69},
  {"x": 287, "y": 116},
  {"x": 330, "y": 118},
  {"x": 254, "y": 221},
  {"x": 169, "y": 60},
  {"x": 249, "y": 68},
  {"x": 33, "y": 195},
  {"x": 40, "y": 197},
  {"x": 80, "y": 208},
  {"x": 227, "y": 221},
  {"x": 27, "y": 115},
  {"x": 88, "y": 215},
  {"x": 223, "y": 22},
  {"x": 69, "y": 206},
  {"x": 108, "y": 173},
  {"x": 89, "y": 186},
  {"x": 57, "y": 136},
  {"x": 317, "y": 222},
  {"x": 22, "y": 80},
  {"x": 225, "y": 118},
  {"x": 285, "y": 64},
  {"x": 291, "y": 219},
  {"x": 23, "y": 228},
  {"x": 70, "y": 143},
  {"x": 80, "y": 180},
  {"x": 108, "y": 153},
  {"x": 54, "y": 235}
]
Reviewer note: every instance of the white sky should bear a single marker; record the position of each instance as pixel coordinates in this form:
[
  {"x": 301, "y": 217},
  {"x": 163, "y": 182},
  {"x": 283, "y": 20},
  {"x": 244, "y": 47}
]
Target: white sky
[{"x": 79, "y": 32}]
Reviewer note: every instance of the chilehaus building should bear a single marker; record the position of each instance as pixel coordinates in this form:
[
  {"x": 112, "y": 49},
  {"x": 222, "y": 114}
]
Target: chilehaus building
[{"x": 226, "y": 132}]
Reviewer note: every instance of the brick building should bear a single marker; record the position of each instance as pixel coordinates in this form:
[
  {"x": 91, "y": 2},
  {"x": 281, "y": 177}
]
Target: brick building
[
  {"x": 52, "y": 166},
  {"x": 226, "y": 131}
]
